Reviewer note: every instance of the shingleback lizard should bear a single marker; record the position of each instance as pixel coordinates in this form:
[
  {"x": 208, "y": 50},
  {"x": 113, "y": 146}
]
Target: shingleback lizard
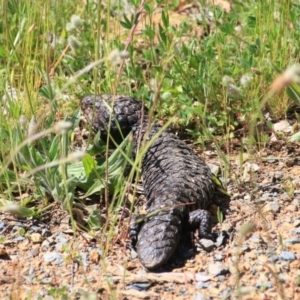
[{"x": 178, "y": 185}]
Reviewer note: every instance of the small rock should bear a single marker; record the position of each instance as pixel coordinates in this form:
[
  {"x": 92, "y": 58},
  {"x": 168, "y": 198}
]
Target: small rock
[
  {"x": 221, "y": 239},
  {"x": 53, "y": 257},
  {"x": 199, "y": 296},
  {"x": 285, "y": 266},
  {"x": 139, "y": 286},
  {"x": 3, "y": 251},
  {"x": 296, "y": 202},
  {"x": 46, "y": 233},
  {"x": 181, "y": 292},
  {"x": 282, "y": 278},
  {"x": 45, "y": 244},
  {"x": 292, "y": 241},
  {"x": 287, "y": 255},
  {"x": 214, "y": 168},
  {"x": 84, "y": 259},
  {"x": 256, "y": 239},
  {"x": 35, "y": 251},
  {"x": 94, "y": 256},
  {"x": 277, "y": 175},
  {"x": 19, "y": 239},
  {"x": 296, "y": 223},
  {"x": 217, "y": 269},
  {"x": 244, "y": 248},
  {"x": 227, "y": 227},
  {"x": 133, "y": 254},
  {"x": 218, "y": 257},
  {"x": 274, "y": 258},
  {"x": 36, "y": 238},
  {"x": 283, "y": 125},
  {"x": 61, "y": 238},
  {"x": 264, "y": 285},
  {"x": 202, "y": 285},
  {"x": 59, "y": 247},
  {"x": 207, "y": 245},
  {"x": 271, "y": 159},
  {"x": 91, "y": 279},
  {"x": 275, "y": 207},
  {"x": 290, "y": 162},
  {"x": 252, "y": 166},
  {"x": 35, "y": 228}
]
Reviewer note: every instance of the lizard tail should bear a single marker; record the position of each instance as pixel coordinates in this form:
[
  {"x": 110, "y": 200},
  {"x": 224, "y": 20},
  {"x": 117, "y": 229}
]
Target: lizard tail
[{"x": 158, "y": 238}]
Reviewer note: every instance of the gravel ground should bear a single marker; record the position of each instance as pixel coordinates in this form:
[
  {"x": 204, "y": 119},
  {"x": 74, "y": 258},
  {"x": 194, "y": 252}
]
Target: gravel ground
[{"x": 260, "y": 258}]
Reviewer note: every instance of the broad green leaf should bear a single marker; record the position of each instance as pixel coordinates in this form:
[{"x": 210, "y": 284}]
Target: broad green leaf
[
  {"x": 295, "y": 137},
  {"x": 95, "y": 188},
  {"x": 89, "y": 164},
  {"x": 293, "y": 92}
]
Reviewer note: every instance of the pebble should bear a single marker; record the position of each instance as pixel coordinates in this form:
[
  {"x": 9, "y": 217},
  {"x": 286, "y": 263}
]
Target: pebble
[
  {"x": 285, "y": 267},
  {"x": 202, "y": 285},
  {"x": 36, "y": 238},
  {"x": 61, "y": 238},
  {"x": 41, "y": 294},
  {"x": 94, "y": 256},
  {"x": 207, "y": 245},
  {"x": 275, "y": 207},
  {"x": 296, "y": 202},
  {"x": 214, "y": 168},
  {"x": 221, "y": 239},
  {"x": 199, "y": 296},
  {"x": 217, "y": 269},
  {"x": 2, "y": 225},
  {"x": 227, "y": 227},
  {"x": 244, "y": 248},
  {"x": 282, "y": 278},
  {"x": 59, "y": 247},
  {"x": 45, "y": 244},
  {"x": 218, "y": 257},
  {"x": 226, "y": 293},
  {"x": 35, "y": 251},
  {"x": 139, "y": 286},
  {"x": 19, "y": 238},
  {"x": 182, "y": 292},
  {"x": 292, "y": 241},
  {"x": 287, "y": 255},
  {"x": 35, "y": 228},
  {"x": 264, "y": 285},
  {"x": 91, "y": 279},
  {"x": 46, "y": 232},
  {"x": 256, "y": 240},
  {"x": 274, "y": 258},
  {"x": 271, "y": 159},
  {"x": 133, "y": 254},
  {"x": 84, "y": 259},
  {"x": 53, "y": 257}
]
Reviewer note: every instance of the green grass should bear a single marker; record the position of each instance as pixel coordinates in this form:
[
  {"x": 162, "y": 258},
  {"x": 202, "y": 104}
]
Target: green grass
[{"x": 49, "y": 59}]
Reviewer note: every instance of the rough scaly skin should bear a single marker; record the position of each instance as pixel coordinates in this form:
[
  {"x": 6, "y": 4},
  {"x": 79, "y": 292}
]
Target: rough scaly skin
[{"x": 177, "y": 183}]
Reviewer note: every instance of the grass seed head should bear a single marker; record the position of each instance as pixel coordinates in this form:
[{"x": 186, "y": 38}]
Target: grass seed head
[
  {"x": 32, "y": 127},
  {"x": 76, "y": 21},
  {"x": 74, "y": 43}
]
